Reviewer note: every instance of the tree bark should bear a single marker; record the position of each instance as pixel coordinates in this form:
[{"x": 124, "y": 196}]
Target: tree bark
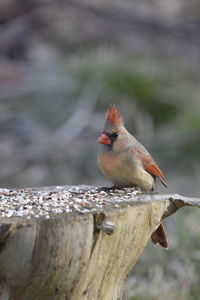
[{"x": 79, "y": 255}]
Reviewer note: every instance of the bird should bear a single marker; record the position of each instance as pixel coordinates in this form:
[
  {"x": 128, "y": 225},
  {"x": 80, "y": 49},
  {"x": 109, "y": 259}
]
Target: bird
[{"x": 127, "y": 163}]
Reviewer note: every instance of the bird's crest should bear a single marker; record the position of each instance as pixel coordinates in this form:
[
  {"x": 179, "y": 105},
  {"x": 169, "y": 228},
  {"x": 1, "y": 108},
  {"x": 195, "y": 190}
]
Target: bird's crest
[{"x": 113, "y": 115}]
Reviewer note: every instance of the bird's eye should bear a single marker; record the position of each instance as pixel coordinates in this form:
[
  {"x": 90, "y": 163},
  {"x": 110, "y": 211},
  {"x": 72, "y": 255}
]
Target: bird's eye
[{"x": 114, "y": 135}]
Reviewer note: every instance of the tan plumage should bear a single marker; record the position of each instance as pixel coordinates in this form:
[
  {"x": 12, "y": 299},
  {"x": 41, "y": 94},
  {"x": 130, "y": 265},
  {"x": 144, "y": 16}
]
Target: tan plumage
[{"x": 127, "y": 163}]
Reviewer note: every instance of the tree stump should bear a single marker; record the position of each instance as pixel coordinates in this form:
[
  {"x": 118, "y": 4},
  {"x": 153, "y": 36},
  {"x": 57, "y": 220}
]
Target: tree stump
[{"x": 75, "y": 242}]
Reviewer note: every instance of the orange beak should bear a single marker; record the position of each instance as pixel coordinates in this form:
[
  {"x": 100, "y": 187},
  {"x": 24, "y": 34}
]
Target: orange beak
[{"x": 104, "y": 139}]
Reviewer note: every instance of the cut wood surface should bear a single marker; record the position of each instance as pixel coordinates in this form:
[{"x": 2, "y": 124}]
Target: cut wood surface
[{"x": 75, "y": 242}]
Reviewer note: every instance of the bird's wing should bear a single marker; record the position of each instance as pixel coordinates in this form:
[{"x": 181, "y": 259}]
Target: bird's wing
[{"x": 150, "y": 165}]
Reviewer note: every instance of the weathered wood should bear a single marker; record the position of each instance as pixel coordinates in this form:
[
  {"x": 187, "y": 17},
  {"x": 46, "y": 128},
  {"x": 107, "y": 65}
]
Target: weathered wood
[{"x": 79, "y": 255}]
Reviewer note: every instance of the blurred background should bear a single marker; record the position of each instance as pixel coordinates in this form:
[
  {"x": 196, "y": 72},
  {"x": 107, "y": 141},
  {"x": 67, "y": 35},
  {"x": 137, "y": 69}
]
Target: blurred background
[{"x": 62, "y": 63}]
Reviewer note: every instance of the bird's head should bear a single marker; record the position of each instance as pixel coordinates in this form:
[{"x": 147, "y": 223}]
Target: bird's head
[{"x": 113, "y": 128}]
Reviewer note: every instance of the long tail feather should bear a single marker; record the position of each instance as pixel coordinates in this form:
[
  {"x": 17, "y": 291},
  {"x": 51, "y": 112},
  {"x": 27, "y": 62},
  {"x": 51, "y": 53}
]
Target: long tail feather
[{"x": 159, "y": 237}]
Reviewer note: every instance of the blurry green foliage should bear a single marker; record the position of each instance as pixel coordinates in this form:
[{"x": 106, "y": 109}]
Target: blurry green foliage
[
  {"x": 125, "y": 79},
  {"x": 145, "y": 90}
]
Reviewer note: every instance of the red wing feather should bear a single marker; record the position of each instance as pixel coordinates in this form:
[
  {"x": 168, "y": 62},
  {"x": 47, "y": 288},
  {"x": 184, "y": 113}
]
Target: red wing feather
[
  {"x": 150, "y": 166},
  {"x": 154, "y": 170}
]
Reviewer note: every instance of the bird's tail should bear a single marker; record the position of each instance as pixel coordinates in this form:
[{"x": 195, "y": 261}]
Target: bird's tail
[{"x": 159, "y": 237}]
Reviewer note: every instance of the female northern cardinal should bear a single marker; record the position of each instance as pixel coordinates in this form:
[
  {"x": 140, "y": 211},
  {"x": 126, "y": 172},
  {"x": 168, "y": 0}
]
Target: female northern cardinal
[{"x": 127, "y": 163}]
